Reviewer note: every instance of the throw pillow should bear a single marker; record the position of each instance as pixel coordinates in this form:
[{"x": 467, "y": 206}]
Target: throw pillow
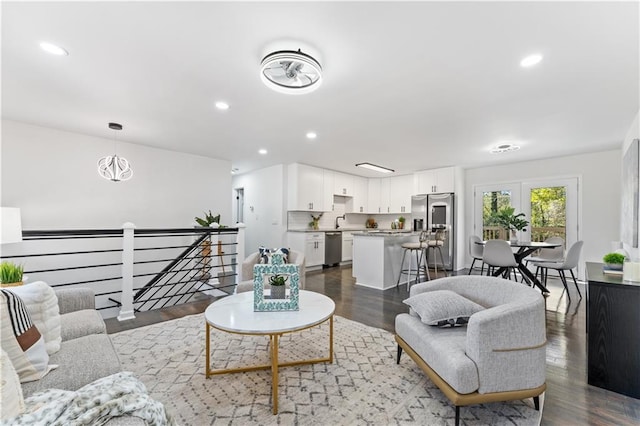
[
  {"x": 266, "y": 253},
  {"x": 443, "y": 308},
  {"x": 21, "y": 339},
  {"x": 12, "y": 401},
  {"x": 42, "y": 304}
]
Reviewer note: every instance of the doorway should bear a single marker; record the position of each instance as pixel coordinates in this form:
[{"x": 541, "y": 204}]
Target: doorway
[{"x": 239, "y": 205}]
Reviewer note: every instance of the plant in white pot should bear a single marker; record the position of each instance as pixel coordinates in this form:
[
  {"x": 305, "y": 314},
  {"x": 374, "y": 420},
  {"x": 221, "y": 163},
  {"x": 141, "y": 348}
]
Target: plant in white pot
[{"x": 507, "y": 219}]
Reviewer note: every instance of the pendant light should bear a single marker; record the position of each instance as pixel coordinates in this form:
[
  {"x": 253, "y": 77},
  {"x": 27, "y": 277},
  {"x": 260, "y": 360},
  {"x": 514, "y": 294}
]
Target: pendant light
[{"x": 112, "y": 167}]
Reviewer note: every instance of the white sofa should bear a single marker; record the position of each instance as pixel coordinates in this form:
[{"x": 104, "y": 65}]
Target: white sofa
[{"x": 498, "y": 356}]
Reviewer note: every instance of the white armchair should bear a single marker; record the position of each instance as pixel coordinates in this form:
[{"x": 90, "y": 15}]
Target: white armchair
[{"x": 295, "y": 257}]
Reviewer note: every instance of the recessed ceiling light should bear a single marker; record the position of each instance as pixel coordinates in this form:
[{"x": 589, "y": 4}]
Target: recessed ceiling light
[
  {"x": 530, "y": 60},
  {"x": 262, "y": 151},
  {"x": 311, "y": 135},
  {"x": 53, "y": 49},
  {"x": 375, "y": 168},
  {"x": 222, "y": 105},
  {"x": 505, "y": 147}
]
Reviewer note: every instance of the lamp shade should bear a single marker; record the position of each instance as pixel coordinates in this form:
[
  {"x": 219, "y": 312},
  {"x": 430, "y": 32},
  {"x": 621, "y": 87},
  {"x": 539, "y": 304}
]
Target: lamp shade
[{"x": 11, "y": 229}]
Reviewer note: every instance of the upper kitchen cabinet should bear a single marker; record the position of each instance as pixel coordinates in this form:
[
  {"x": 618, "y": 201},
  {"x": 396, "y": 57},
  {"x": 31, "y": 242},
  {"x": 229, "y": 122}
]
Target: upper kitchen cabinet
[
  {"x": 436, "y": 180},
  {"x": 359, "y": 202},
  {"x": 305, "y": 188},
  {"x": 343, "y": 184},
  {"x": 400, "y": 192},
  {"x": 373, "y": 193},
  {"x": 327, "y": 189}
]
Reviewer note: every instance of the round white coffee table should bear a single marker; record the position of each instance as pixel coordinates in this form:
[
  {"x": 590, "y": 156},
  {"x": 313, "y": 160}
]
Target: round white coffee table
[{"x": 234, "y": 314}]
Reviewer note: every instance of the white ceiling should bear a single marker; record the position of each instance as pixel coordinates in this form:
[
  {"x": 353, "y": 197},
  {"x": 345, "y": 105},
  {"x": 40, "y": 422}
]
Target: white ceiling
[{"x": 409, "y": 86}]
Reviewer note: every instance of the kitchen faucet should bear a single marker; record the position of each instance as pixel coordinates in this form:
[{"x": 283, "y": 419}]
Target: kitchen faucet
[{"x": 339, "y": 217}]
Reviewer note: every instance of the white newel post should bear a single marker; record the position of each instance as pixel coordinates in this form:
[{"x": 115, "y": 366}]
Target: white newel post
[
  {"x": 240, "y": 251},
  {"x": 126, "y": 308}
]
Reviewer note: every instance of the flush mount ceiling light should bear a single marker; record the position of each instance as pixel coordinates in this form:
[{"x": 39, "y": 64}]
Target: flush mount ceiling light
[
  {"x": 506, "y": 147},
  {"x": 222, "y": 105},
  {"x": 375, "y": 168},
  {"x": 112, "y": 167},
  {"x": 53, "y": 49},
  {"x": 531, "y": 60},
  {"x": 291, "y": 72}
]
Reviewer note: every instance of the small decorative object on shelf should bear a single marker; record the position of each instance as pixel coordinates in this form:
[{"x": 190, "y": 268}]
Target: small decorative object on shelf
[
  {"x": 614, "y": 261},
  {"x": 276, "y": 273},
  {"x": 11, "y": 275},
  {"x": 315, "y": 221}
]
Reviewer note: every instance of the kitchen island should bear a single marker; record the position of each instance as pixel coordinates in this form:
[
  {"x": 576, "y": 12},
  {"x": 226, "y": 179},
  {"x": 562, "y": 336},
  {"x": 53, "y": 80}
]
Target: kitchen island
[{"x": 377, "y": 255}]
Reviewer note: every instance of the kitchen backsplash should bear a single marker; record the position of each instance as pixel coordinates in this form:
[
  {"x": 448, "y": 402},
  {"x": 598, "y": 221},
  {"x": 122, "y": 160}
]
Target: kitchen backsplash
[{"x": 300, "y": 220}]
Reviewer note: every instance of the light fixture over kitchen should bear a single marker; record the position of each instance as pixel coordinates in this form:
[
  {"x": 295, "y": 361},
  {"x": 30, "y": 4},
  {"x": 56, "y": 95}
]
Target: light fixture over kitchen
[
  {"x": 531, "y": 60},
  {"x": 291, "y": 72},
  {"x": 375, "y": 168},
  {"x": 222, "y": 105},
  {"x": 112, "y": 167},
  {"x": 312, "y": 135},
  {"x": 53, "y": 49}
]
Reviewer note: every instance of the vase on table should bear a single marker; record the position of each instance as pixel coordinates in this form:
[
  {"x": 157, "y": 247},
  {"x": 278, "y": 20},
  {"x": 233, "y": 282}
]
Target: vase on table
[{"x": 514, "y": 237}]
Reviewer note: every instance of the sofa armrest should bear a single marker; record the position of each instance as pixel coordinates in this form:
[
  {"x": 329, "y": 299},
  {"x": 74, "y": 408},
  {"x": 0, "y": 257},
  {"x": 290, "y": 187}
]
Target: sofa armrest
[
  {"x": 507, "y": 343},
  {"x": 75, "y": 299}
]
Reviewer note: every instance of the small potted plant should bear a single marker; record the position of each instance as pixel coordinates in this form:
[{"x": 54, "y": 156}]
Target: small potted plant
[
  {"x": 506, "y": 219},
  {"x": 315, "y": 221},
  {"x": 208, "y": 220},
  {"x": 10, "y": 274},
  {"x": 401, "y": 220},
  {"x": 278, "y": 289},
  {"x": 614, "y": 261}
]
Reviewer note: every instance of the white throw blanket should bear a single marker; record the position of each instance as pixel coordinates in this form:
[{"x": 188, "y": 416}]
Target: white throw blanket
[{"x": 94, "y": 404}]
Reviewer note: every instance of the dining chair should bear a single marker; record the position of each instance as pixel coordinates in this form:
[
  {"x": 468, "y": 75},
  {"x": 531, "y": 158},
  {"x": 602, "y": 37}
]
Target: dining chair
[
  {"x": 498, "y": 254},
  {"x": 475, "y": 251},
  {"x": 555, "y": 254},
  {"x": 569, "y": 263}
]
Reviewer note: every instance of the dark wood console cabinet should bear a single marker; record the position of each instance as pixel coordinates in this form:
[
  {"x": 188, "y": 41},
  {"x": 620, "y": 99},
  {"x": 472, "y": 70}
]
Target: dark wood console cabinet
[{"x": 613, "y": 332}]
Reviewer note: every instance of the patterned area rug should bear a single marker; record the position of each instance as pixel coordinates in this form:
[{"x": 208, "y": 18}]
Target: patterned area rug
[{"x": 362, "y": 386}]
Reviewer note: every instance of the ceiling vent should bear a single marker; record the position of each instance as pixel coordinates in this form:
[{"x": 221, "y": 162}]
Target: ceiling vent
[{"x": 291, "y": 72}]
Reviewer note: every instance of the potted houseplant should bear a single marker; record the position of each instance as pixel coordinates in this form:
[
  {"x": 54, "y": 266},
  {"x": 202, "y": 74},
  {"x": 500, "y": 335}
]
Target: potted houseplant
[
  {"x": 315, "y": 221},
  {"x": 614, "y": 260},
  {"x": 507, "y": 219},
  {"x": 208, "y": 220},
  {"x": 278, "y": 289},
  {"x": 401, "y": 220},
  {"x": 10, "y": 274}
]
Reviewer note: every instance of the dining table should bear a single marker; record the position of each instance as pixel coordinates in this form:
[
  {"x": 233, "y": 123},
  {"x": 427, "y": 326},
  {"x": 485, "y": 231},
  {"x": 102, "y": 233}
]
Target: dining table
[{"x": 525, "y": 248}]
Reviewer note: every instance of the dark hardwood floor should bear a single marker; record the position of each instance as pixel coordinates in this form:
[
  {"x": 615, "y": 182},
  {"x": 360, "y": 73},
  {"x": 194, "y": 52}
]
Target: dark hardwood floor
[{"x": 568, "y": 400}]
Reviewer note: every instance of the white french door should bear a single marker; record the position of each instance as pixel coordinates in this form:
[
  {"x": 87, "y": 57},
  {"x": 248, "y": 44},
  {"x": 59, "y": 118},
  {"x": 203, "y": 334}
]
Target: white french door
[{"x": 492, "y": 198}]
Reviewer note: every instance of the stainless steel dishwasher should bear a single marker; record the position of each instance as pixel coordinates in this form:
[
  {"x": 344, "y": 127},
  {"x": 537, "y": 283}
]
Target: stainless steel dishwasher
[{"x": 332, "y": 248}]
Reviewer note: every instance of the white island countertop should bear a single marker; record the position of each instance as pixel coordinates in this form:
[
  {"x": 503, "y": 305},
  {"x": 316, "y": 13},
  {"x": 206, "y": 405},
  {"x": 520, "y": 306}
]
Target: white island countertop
[{"x": 377, "y": 256}]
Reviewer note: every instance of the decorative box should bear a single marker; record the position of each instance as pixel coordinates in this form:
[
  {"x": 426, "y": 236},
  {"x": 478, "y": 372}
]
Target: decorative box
[{"x": 262, "y": 273}]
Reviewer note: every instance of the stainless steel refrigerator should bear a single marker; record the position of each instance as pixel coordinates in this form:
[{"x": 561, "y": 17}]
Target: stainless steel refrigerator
[{"x": 433, "y": 212}]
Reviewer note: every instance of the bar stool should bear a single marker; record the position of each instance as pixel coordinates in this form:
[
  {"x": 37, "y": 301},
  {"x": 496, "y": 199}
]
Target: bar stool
[
  {"x": 436, "y": 244},
  {"x": 417, "y": 249}
]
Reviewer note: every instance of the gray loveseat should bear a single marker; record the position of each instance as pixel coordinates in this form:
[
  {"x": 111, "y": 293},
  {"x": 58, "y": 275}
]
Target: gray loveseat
[
  {"x": 86, "y": 353},
  {"x": 499, "y": 356}
]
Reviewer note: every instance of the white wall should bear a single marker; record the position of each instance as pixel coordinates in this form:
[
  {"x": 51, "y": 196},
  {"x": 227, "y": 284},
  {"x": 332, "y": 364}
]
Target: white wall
[
  {"x": 264, "y": 207},
  {"x": 52, "y": 176},
  {"x": 599, "y": 195},
  {"x": 633, "y": 133}
]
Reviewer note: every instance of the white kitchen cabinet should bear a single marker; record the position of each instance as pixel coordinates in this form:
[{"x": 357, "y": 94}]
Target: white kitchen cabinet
[
  {"x": 400, "y": 192},
  {"x": 373, "y": 193},
  {"x": 343, "y": 184},
  {"x": 436, "y": 180},
  {"x": 309, "y": 243},
  {"x": 327, "y": 190},
  {"x": 347, "y": 246},
  {"x": 305, "y": 186},
  {"x": 385, "y": 195},
  {"x": 359, "y": 202}
]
